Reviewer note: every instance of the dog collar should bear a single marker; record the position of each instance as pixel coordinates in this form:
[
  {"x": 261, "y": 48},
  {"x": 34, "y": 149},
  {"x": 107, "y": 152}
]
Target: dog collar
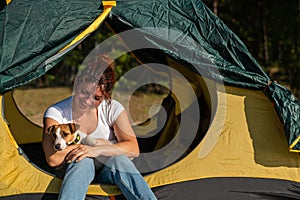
[{"x": 77, "y": 139}]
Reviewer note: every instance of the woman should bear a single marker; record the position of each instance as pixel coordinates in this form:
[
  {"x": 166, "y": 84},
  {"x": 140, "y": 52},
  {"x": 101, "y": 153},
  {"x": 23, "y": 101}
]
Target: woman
[{"x": 101, "y": 118}]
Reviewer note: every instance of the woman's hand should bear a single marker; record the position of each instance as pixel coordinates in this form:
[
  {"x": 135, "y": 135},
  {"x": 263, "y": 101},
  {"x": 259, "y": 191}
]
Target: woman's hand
[
  {"x": 79, "y": 153},
  {"x": 127, "y": 144}
]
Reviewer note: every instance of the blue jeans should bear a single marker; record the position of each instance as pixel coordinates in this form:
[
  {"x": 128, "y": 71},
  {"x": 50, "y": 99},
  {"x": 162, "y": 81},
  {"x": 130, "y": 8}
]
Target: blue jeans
[{"x": 117, "y": 170}]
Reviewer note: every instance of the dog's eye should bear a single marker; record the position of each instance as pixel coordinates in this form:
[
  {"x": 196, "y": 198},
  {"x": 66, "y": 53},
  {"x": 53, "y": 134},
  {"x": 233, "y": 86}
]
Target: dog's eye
[
  {"x": 54, "y": 136},
  {"x": 65, "y": 134}
]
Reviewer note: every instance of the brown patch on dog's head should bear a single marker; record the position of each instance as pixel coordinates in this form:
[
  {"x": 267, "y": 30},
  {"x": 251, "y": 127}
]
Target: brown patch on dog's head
[{"x": 62, "y": 134}]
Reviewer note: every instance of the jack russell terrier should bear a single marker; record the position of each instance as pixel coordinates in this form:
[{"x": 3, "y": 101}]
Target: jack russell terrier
[{"x": 68, "y": 134}]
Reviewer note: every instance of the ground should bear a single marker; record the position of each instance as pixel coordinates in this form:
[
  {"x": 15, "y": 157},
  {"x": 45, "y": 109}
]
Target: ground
[{"x": 33, "y": 102}]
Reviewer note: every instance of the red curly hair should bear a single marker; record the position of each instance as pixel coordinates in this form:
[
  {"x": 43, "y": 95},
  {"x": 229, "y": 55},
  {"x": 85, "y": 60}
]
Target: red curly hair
[{"x": 100, "y": 71}]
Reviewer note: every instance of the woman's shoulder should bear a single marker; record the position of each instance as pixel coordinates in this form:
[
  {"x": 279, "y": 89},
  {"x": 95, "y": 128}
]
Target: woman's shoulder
[
  {"x": 63, "y": 104},
  {"x": 60, "y": 106},
  {"x": 116, "y": 104},
  {"x": 112, "y": 110},
  {"x": 60, "y": 110},
  {"x": 111, "y": 104}
]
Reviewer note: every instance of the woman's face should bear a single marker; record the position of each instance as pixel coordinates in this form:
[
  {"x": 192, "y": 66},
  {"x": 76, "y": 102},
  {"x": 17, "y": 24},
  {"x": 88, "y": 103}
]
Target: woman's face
[
  {"x": 98, "y": 97},
  {"x": 88, "y": 96}
]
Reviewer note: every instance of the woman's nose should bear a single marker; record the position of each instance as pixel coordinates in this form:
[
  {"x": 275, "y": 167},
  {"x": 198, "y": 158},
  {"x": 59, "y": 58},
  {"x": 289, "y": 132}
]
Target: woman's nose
[{"x": 90, "y": 101}]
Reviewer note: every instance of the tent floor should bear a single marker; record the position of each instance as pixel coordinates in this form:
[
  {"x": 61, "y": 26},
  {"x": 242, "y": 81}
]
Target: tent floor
[
  {"x": 231, "y": 188},
  {"x": 35, "y": 154}
]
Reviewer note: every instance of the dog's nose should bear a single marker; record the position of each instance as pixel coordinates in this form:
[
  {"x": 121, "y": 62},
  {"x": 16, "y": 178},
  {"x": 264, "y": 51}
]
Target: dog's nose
[{"x": 57, "y": 146}]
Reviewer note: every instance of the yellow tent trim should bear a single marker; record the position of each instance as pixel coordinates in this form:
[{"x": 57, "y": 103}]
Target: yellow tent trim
[
  {"x": 294, "y": 144},
  {"x": 7, "y": 2},
  {"x": 6, "y": 127},
  {"x": 26, "y": 177},
  {"x": 249, "y": 117},
  {"x": 107, "y": 8},
  {"x": 22, "y": 130},
  {"x": 109, "y": 3}
]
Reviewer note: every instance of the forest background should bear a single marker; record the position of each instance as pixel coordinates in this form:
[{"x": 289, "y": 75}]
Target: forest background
[{"x": 269, "y": 28}]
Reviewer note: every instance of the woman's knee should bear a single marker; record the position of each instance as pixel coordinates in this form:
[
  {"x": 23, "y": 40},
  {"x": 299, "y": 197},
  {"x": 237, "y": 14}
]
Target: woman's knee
[
  {"x": 85, "y": 166},
  {"x": 77, "y": 179},
  {"x": 121, "y": 163}
]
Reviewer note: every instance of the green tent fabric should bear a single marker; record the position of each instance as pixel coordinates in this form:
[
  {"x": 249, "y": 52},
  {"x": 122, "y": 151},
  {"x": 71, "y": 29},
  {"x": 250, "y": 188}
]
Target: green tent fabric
[
  {"x": 218, "y": 44},
  {"x": 249, "y": 159},
  {"x": 29, "y": 48}
]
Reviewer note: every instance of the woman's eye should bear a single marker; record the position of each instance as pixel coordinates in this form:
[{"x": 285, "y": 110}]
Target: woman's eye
[
  {"x": 85, "y": 93},
  {"x": 98, "y": 98}
]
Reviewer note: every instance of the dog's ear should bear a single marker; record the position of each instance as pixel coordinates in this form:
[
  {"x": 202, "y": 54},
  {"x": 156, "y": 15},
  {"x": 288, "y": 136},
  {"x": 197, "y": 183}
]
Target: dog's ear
[
  {"x": 49, "y": 129},
  {"x": 73, "y": 127}
]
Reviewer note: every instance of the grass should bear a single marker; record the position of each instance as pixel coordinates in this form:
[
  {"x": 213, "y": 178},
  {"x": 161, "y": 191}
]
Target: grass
[{"x": 33, "y": 102}]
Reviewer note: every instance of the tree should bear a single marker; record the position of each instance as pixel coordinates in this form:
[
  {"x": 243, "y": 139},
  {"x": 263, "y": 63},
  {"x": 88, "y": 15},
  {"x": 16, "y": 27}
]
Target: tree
[
  {"x": 270, "y": 29},
  {"x": 263, "y": 21}
]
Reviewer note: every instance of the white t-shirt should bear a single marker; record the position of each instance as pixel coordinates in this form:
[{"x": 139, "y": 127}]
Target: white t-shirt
[{"x": 107, "y": 115}]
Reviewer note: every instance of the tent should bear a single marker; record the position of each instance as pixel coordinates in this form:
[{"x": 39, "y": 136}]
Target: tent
[{"x": 229, "y": 132}]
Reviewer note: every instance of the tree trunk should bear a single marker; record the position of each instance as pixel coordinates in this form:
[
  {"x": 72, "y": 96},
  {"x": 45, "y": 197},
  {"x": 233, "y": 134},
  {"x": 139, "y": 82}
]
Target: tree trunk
[
  {"x": 215, "y": 6},
  {"x": 262, "y": 8}
]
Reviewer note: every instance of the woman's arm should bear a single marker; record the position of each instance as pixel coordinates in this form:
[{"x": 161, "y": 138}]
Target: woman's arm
[
  {"x": 125, "y": 135},
  {"x": 54, "y": 158},
  {"x": 127, "y": 143}
]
